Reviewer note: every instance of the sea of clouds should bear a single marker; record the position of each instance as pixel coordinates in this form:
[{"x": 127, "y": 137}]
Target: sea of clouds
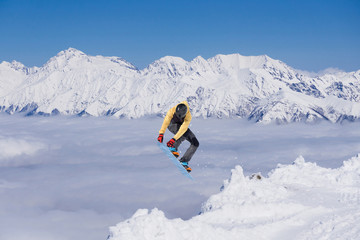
[{"x": 73, "y": 178}]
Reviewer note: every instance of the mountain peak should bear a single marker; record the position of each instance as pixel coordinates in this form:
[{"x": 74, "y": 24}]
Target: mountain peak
[
  {"x": 168, "y": 64},
  {"x": 199, "y": 60},
  {"x": 70, "y": 52},
  {"x": 239, "y": 61},
  {"x": 172, "y": 59},
  {"x": 15, "y": 65},
  {"x": 63, "y": 57}
]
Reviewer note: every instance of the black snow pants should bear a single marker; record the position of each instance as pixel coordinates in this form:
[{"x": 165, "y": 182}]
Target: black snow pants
[{"x": 189, "y": 136}]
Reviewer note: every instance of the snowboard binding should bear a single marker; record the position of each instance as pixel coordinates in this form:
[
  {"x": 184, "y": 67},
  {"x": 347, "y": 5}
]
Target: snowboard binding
[
  {"x": 186, "y": 166},
  {"x": 174, "y": 152}
]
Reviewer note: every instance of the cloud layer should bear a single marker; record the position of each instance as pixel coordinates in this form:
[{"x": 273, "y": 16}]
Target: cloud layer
[{"x": 72, "y": 178}]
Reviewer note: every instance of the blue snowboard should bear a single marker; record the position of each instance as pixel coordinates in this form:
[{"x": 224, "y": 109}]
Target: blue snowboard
[{"x": 167, "y": 151}]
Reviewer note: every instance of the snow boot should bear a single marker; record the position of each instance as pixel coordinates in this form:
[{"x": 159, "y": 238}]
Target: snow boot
[
  {"x": 174, "y": 152},
  {"x": 186, "y": 166}
]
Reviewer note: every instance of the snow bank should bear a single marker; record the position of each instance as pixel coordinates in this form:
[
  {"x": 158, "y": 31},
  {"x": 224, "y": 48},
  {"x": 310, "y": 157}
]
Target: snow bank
[{"x": 302, "y": 200}]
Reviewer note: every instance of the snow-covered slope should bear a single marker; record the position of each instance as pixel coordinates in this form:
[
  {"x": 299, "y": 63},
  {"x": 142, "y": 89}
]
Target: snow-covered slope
[
  {"x": 254, "y": 87},
  {"x": 302, "y": 200}
]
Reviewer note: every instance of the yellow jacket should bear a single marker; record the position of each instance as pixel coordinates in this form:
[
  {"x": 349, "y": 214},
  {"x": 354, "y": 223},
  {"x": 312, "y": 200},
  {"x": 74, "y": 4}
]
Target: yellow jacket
[{"x": 169, "y": 116}]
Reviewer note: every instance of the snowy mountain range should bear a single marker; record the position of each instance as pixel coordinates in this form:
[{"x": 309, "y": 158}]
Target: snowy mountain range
[{"x": 258, "y": 88}]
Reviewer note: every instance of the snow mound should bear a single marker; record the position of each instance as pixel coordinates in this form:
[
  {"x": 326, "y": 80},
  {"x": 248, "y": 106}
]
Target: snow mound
[{"x": 302, "y": 200}]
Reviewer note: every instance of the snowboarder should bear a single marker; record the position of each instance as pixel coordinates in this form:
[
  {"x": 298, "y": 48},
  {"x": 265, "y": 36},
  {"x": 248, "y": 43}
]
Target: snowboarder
[{"x": 177, "y": 120}]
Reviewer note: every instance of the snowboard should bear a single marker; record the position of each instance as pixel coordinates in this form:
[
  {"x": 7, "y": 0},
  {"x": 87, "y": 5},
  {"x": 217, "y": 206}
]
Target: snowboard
[{"x": 173, "y": 159}]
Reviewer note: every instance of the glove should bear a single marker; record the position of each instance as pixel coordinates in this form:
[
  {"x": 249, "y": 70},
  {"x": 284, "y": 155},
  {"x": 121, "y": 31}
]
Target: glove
[
  {"x": 171, "y": 143},
  {"x": 161, "y": 137}
]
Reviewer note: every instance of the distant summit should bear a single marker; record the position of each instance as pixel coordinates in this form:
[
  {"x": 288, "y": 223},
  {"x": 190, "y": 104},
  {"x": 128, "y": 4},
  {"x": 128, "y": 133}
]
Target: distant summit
[{"x": 70, "y": 52}]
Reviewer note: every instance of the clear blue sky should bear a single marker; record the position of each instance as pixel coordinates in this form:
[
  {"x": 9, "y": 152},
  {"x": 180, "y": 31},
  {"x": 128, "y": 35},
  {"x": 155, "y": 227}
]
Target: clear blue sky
[{"x": 308, "y": 35}]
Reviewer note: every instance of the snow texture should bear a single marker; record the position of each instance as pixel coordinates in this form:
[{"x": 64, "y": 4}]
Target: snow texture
[
  {"x": 301, "y": 200},
  {"x": 258, "y": 88}
]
